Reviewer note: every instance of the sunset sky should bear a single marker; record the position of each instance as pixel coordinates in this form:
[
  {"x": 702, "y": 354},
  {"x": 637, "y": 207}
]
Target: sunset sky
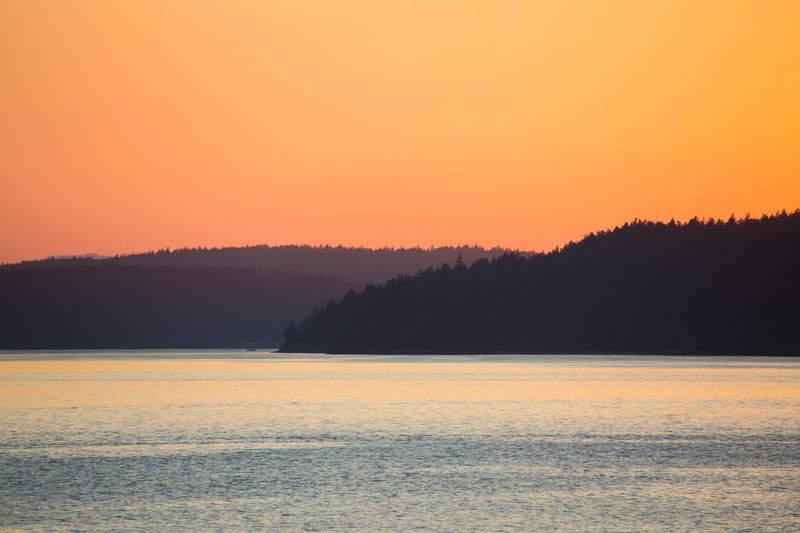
[{"x": 130, "y": 126}]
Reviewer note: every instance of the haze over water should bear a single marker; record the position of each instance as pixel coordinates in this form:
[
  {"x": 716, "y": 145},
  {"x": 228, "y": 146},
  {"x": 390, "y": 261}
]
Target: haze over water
[{"x": 200, "y": 440}]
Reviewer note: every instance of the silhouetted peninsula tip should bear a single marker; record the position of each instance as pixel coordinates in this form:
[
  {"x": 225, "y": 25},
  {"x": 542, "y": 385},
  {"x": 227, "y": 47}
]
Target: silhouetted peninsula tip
[{"x": 701, "y": 287}]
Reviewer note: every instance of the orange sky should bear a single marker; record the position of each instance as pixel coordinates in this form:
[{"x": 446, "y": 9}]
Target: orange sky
[{"x": 128, "y": 126}]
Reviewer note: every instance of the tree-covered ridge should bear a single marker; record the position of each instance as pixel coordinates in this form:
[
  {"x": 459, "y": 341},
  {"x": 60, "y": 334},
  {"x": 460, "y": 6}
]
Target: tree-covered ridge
[
  {"x": 704, "y": 287},
  {"x": 192, "y": 297},
  {"x": 361, "y": 265}
]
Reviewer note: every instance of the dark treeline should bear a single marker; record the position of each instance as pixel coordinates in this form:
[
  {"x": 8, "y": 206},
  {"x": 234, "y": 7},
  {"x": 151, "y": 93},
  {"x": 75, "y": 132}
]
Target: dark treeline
[
  {"x": 702, "y": 287},
  {"x": 361, "y": 265},
  {"x": 218, "y": 297},
  {"x": 108, "y": 305}
]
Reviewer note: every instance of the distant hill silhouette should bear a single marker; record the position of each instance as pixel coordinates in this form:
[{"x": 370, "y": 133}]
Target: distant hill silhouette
[
  {"x": 194, "y": 298},
  {"x": 701, "y": 287},
  {"x": 107, "y": 305},
  {"x": 360, "y": 265}
]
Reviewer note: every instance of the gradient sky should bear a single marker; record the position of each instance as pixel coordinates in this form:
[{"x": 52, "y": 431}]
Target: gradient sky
[{"x": 128, "y": 126}]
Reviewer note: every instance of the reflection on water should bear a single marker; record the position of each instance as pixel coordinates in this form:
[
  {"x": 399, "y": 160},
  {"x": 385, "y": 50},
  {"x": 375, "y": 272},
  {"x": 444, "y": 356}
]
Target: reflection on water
[{"x": 187, "y": 440}]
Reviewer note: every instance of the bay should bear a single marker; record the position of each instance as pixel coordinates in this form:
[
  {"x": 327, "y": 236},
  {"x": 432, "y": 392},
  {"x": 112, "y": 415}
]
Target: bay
[{"x": 241, "y": 441}]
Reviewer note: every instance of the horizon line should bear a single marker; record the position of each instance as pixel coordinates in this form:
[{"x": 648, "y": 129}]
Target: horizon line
[{"x": 104, "y": 255}]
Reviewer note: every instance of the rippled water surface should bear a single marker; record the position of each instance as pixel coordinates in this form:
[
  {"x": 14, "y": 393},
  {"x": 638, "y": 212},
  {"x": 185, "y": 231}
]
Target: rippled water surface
[{"x": 210, "y": 441}]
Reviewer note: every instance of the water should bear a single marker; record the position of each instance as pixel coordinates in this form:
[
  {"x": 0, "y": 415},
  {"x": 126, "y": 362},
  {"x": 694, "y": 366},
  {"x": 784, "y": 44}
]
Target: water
[{"x": 210, "y": 441}]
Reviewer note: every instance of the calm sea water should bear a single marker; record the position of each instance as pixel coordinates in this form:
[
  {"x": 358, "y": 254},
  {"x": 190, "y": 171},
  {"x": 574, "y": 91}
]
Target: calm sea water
[{"x": 212, "y": 441}]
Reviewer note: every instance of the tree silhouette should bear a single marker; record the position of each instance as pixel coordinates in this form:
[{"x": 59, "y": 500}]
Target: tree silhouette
[{"x": 704, "y": 287}]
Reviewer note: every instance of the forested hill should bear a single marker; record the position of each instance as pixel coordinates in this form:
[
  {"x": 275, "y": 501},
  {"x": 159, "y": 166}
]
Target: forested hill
[
  {"x": 702, "y": 287},
  {"x": 106, "y": 305},
  {"x": 360, "y": 265},
  {"x": 193, "y": 298}
]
